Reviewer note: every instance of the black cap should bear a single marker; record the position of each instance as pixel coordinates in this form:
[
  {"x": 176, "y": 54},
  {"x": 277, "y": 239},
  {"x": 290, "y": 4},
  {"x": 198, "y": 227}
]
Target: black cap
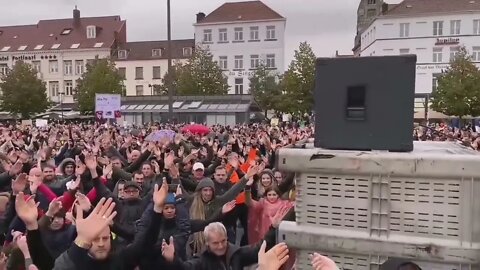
[
  {"x": 399, "y": 264},
  {"x": 131, "y": 184}
]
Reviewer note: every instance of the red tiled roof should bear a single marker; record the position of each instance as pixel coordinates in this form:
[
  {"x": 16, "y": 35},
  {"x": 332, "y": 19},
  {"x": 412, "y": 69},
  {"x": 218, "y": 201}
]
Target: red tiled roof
[
  {"x": 241, "y": 11},
  {"x": 418, "y": 7},
  {"x": 142, "y": 50},
  {"x": 49, "y": 32}
]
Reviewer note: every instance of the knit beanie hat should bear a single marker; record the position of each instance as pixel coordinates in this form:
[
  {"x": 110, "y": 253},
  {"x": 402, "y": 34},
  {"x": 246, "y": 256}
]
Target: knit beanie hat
[
  {"x": 204, "y": 183},
  {"x": 170, "y": 199}
]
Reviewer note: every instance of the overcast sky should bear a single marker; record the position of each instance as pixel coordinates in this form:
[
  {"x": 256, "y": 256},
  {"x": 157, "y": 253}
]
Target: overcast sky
[{"x": 327, "y": 25}]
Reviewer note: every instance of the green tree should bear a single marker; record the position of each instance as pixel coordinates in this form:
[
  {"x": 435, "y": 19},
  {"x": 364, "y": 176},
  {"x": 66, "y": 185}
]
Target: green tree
[
  {"x": 299, "y": 82},
  {"x": 22, "y": 92},
  {"x": 199, "y": 76},
  {"x": 101, "y": 77},
  {"x": 265, "y": 89},
  {"x": 458, "y": 90}
]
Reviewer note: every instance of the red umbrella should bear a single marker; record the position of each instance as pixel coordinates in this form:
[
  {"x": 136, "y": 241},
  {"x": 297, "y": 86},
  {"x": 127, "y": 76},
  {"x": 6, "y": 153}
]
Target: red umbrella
[{"x": 196, "y": 129}]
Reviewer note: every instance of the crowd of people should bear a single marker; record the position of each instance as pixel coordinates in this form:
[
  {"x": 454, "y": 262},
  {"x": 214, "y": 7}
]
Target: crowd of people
[
  {"x": 99, "y": 196},
  {"x": 468, "y": 135}
]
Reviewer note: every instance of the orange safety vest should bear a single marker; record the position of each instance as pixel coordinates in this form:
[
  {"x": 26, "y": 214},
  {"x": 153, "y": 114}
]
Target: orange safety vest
[{"x": 244, "y": 167}]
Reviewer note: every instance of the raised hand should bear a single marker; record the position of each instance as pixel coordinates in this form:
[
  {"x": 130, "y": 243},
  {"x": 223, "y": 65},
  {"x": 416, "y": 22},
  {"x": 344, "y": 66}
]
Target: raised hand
[
  {"x": 253, "y": 170},
  {"x": 169, "y": 160},
  {"x": 54, "y": 207},
  {"x": 27, "y": 210},
  {"x": 159, "y": 196},
  {"x": 279, "y": 215},
  {"x": 274, "y": 258},
  {"x": 221, "y": 152},
  {"x": 18, "y": 185},
  {"x": 174, "y": 172},
  {"x": 91, "y": 162},
  {"x": 91, "y": 227},
  {"x": 83, "y": 202},
  {"x": 16, "y": 168},
  {"x": 234, "y": 162},
  {"x": 229, "y": 206},
  {"x": 168, "y": 250},
  {"x": 320, "y": 262}
]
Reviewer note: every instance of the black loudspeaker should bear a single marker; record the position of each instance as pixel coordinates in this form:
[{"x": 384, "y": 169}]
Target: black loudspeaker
[{"x": 365, "y": 103}]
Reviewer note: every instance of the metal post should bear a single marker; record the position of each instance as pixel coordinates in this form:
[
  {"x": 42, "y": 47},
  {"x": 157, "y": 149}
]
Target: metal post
[{"x": 169, "y": 55}]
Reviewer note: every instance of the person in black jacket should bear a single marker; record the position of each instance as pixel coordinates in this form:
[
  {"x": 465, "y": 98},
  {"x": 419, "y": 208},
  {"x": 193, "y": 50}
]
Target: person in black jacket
[{"x": 220, "y": 254}]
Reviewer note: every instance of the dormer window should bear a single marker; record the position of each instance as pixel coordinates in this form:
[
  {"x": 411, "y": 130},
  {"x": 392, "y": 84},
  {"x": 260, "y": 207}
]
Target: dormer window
[
  {"x": 122, "y": 54},
  {"x": 55, "y": 46},
  {"x": 66, "y": 31},
  {"x": 4, "y": 49},
  {"x": 187, "y": 51},
  {"x": 75, "y": 46},
  {"x": 98, "y": 45},
  {"x": 38, "y": 47},
  {"x": 91, "y": 31},
  {"x": 22, "y": 48},
  {"x": 157, "y": 52}
]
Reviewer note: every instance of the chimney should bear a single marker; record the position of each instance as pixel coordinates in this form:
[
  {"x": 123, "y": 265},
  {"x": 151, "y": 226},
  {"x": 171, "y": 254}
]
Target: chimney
[
  {"x": 200, "y": 16},
  {"x": 384, "y": 8},
  {"x": 76, "y": 17}
]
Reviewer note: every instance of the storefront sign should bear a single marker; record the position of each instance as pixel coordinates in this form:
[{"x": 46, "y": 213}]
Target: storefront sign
[
  {"x": 447, "y": 41},
  {"x": 24, "y": 57}
]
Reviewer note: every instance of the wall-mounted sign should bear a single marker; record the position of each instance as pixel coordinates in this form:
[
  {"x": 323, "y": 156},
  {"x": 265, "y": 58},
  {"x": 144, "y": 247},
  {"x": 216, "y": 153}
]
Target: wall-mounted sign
[
  {"x": 24, "y": 57},
  {"x": 447, "y": 41},
  {"x": 4, "y": 58},
  {"x": 432, "y": 67},
  {"x": 241, "y": 73}
]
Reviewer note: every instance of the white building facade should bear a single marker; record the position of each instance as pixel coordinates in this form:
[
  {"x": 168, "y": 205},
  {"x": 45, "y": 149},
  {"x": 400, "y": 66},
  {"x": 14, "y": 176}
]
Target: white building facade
[
  {"x": 144, "y": 64},
  {"x": 240, "y": 37},
  {"x": 414, "y": 27}
]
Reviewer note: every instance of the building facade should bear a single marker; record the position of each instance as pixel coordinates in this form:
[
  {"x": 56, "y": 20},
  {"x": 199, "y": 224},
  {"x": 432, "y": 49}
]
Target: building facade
[
  {"x": 434, "y": 30},
  {"x": 60, "y": 49},
  {"x": 241, "y": 36},
  {"x": 143, "y": 64}
]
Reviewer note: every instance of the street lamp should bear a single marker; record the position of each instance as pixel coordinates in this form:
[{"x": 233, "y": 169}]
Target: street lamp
[
  {"x": 61, "y": 102},
  {"x": 169, "y": 55},
  {"x": 151, "y": 88}
]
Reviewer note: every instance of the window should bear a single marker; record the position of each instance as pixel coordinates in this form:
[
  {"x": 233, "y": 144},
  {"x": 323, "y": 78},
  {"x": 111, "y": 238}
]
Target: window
[
  {"x": 66, "y": 31},
  {"x": 22, "y": 48},
  {"x": 98, "y": 45},
  {"x": 53, "y": 66},
  {"x": 271, "y": 32},
  {"x": 38, "y": 47},
  {"x": 404, "y": 51},
  {"x": 4, "y": 49},
  {"x": 122, "y": 71},
  {"x": 75, "y": 46},
  {"x": 238, "y": 62},
  {"x": 91, "y": 31},
  {"x": 78, "y": 67},
  {"x": 3, "y": 69},
  {"x": 156, "y": 73},
  {"x": 254, "y": 33},
  {"x": 238, "y": 86},
  {"x": 438, "y": 28},
  {"x": 207, "y": 35},
  {"x": 223, "y": 62},
  {"x": 476, "y": 54},
  {"x": 437, "y": 55},
  {"x": 139, "y": 90},
  {"x": 435, "y": 77},
  {"x": 372, "y": 2},
  {"x": 238, "y": 34},
  {"x": 453, "y": 52},
  {"x": 404, "y": 30},
  {"x": 222, "y": 35},
  {"x": 54, "y": 88},
  {"x": 139, "y": 73},
  {"x": 68, "y": 67},
  {"x": 122, "y": 54},
  {"x": 254, "y": 61},
  {"x": 157, "y": 52},
  {"x": 68, "y": 88},
  {"x": 36, "y": 66},
  {"x": 55, "y": 46},
  {"x": 270, "y": 63},
  {"x": 476, "y": 27},
  {"x": 187, "y": 51},
  {"x": 455, "y": 27},
  {"x": 371, "y": 12}
]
